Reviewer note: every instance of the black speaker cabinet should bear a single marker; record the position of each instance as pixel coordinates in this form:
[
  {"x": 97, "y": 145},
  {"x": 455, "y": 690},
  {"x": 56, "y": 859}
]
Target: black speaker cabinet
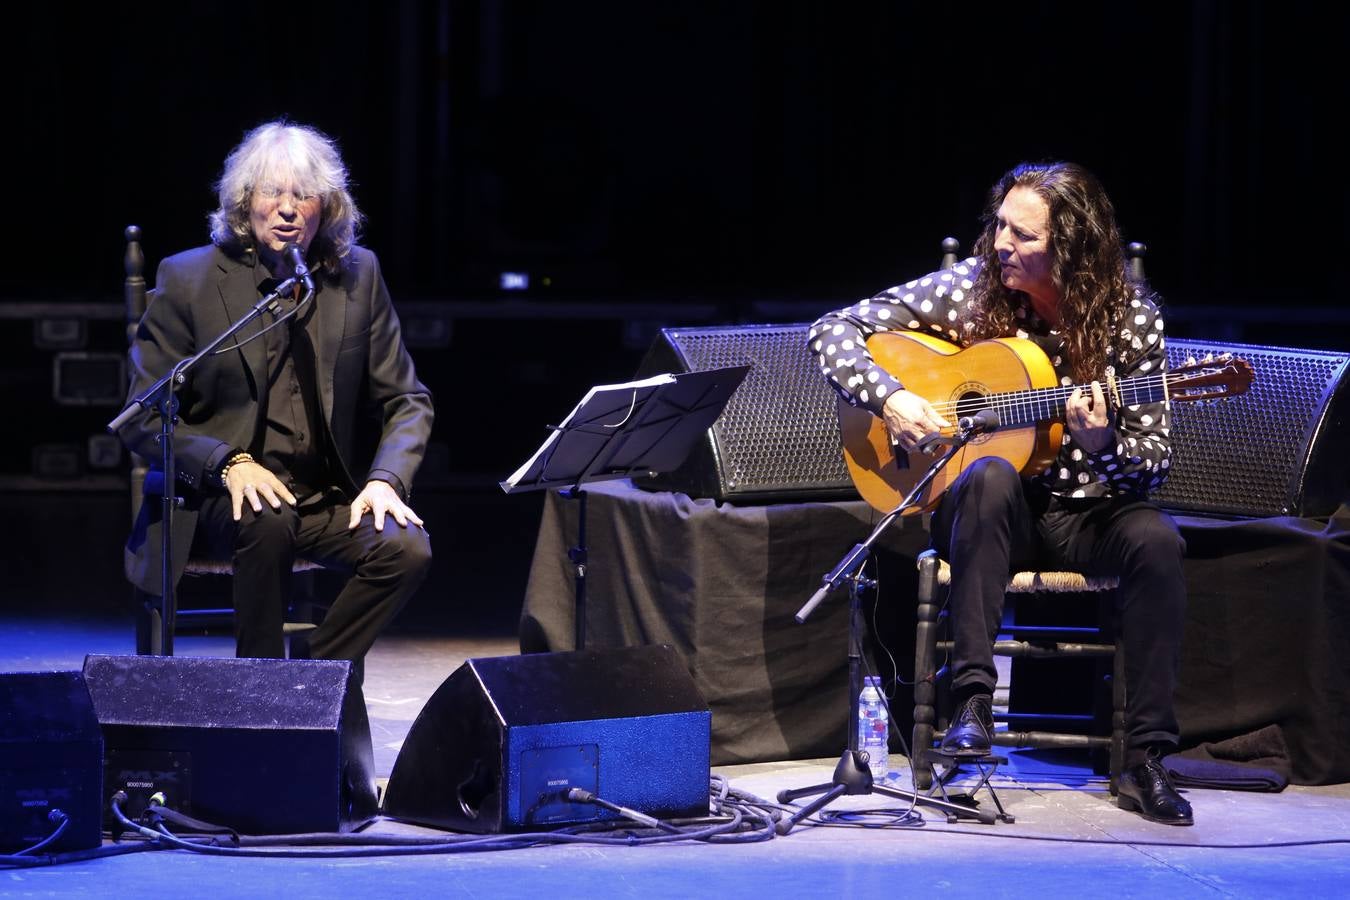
[
  {"x": 503, "y": 740},
  {"x": 779, "y": 436},
  {"x": 1278, "y": 450},
  {"x": 265, "y": 746},
  {"x": 51, "y": 757}
]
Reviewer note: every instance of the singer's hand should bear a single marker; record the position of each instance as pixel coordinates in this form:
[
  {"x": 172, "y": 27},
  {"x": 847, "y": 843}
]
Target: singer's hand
[
  {"x": 1089, "y": 419},
  {"x": 909, "y": 417},
  {"x": 254, "y": 483},
  {"x": 380, "y": 498}
]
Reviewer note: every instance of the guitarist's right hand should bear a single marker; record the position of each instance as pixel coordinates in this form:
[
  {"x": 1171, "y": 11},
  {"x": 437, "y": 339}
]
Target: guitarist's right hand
[{"x": 909, "y": 417}]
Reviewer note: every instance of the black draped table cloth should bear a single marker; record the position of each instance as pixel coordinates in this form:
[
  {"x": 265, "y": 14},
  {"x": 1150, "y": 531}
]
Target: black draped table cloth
[{"x": 1267, "y": 629}]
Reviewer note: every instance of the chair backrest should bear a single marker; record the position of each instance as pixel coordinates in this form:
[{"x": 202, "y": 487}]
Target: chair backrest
[
  {"x": 134, "y": 292},
  {"x": 1134, "y": 252},
  {"x": 137, "y": 298}
]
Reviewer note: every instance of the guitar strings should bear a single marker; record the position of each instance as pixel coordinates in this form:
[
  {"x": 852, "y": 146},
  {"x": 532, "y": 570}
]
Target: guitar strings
[
  {"x": 1046, "y": 394},
  {"x": 1051, "y": 397}
]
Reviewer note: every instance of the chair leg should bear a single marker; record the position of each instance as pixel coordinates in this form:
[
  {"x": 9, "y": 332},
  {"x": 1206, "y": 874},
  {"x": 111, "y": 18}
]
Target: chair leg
[
  {"x": 148, "y": 619},
  {"x": 305, "y": 613},
  {"x": 301, "y": 607},
  {"x": 925, "y": 674},
  {"x": 1117, "y": 715},
  {"x": 1109, "y": 629}
]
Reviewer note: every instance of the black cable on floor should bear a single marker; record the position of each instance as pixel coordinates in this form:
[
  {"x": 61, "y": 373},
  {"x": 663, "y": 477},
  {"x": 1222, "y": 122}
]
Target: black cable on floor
[
  {"x": 40, "y": 860},
  {"x": 743, "y": 818}
]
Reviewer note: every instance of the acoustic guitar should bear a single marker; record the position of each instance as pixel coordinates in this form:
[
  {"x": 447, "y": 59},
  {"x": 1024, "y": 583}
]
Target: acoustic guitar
[{"x": 1013, "y": 378}]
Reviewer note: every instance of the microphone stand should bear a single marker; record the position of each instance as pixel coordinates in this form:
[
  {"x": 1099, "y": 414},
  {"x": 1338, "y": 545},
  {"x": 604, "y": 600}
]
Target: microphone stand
[
  {"x": 161, "y": 397},
  {"x": 853, "y": 773}
]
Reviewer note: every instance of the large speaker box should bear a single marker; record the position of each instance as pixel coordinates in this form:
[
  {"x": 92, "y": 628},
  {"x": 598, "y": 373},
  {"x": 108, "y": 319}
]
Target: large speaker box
[
  {"x": 1278, "y": 450},
  {"x": 265, "y": 746},
  {"x": 51, "y": 757},
  {"x": 779, "y": 436},
  {"x": 503, "y": 740}
]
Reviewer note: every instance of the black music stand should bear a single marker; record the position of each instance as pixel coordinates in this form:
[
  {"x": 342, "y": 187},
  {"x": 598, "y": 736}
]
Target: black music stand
[{"x": 616, "y": 431}]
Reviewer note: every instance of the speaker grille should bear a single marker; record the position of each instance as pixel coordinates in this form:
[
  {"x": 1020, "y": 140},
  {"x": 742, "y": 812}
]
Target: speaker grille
[
  {"x": 779, "y": 435},
  {"x": 1270, "y": 452}
]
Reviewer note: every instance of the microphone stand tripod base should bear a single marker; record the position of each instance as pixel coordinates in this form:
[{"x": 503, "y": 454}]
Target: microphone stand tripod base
[{"x": 853, "y": 778}]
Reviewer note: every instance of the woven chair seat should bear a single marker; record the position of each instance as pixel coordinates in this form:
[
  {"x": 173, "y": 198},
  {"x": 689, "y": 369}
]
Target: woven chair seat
[
  {"x": 217, "y": 567},
  {"x": 1051, "y": 582}
]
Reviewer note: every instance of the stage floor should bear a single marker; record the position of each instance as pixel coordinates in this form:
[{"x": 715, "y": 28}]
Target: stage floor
[{"x": 1068, "y": 833}]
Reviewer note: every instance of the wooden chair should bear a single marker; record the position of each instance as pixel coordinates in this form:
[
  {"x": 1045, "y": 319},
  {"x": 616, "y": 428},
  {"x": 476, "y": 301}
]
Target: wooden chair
[
  {"x": 1034, "y": 641},
  {"x": 1027, "y": 642}
]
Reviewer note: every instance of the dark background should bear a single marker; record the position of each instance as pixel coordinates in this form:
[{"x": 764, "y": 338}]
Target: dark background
[
  {"x": 695, "y": 149},
  {"x": 647, "y": 165}
]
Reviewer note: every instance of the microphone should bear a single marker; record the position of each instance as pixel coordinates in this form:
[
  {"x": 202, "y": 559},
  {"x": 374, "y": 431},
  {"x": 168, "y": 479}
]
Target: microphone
[
  {"x": 295, "y": 257},
  {"x": 984, "y": 421}
]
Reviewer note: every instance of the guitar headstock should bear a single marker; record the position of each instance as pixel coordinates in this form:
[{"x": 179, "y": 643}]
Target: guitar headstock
[{"x": 1212, "y": 378}]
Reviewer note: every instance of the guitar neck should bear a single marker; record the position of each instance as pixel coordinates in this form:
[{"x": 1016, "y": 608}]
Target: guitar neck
[{"x": 1038, "y": 404}]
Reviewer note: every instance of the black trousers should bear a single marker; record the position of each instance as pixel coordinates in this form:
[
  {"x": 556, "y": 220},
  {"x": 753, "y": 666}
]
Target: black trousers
[
  {"x": 386, "y": 568},
  {"x": 991, "y": 523}
]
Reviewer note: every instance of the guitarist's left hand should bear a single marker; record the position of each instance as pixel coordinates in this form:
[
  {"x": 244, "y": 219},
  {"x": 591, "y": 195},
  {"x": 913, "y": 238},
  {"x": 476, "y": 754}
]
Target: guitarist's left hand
[{"x": 1089, "y": 419}]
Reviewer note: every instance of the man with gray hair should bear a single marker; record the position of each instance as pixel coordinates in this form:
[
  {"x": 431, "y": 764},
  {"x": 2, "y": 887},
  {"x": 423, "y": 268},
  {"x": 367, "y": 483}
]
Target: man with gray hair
[{"x": 299, "y": 440}]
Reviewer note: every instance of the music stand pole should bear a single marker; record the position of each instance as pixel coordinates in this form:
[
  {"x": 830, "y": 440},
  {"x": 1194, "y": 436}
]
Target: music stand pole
[
  {"x": 577, "y": 556},
  {"x": 853, "y": 773}
]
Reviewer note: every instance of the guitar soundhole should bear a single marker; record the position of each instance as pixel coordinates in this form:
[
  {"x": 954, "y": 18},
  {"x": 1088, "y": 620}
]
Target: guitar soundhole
[{"x": 969, "y": 402}]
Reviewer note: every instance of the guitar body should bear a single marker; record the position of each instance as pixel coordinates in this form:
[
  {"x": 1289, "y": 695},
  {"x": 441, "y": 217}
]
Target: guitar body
[{"x": 942, "y": 374}]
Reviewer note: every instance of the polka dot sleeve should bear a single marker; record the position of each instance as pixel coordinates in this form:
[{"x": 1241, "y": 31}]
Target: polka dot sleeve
[
  {"x": 1140, "y": 460},
  {"x": 933, "y": 304}
]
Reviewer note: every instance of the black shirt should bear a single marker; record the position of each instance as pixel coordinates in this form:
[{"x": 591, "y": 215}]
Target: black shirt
[{"x": 294, "y": 446}]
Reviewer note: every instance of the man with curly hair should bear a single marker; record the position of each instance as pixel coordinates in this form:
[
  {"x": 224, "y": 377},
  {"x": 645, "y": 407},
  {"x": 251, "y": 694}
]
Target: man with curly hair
[
  {"x": 1048, "y": 267},
  {"x": 299, "y": 440}
]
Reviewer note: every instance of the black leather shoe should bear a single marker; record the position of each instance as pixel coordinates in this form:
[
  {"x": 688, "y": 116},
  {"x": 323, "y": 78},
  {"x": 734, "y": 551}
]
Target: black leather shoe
[
  {"x": 972, "y": 728},
  {"x": 1147, "y": 789}
]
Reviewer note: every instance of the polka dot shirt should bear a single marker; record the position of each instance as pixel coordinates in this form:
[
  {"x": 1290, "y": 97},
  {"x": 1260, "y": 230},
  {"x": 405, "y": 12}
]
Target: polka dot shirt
[{"x": 937, "y": 304}]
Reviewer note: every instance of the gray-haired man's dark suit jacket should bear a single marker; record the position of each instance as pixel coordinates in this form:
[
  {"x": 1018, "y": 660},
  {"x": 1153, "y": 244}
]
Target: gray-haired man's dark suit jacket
[{"x": 377, "y": 412}]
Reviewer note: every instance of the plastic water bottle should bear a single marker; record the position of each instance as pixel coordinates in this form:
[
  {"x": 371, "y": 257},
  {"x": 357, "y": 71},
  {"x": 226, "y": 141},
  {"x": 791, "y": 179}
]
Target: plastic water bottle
[{"x": 873, "y": 732}]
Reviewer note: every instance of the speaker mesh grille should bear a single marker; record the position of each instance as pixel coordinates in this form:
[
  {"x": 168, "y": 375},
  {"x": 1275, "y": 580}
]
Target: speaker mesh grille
[
  {"x": 780, "y": 431},
  {"x": 1247, "y": 455}
]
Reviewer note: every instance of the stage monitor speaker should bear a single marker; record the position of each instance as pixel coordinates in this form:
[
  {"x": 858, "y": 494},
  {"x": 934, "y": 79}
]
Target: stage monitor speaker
[
  {"x": 779, "y": 436},
  {"x": 51, "y": 758},
  {"x": 503, "y": 740},
  {"x": 264, "y": 746},
  {"x": 1278, "y": 450}
]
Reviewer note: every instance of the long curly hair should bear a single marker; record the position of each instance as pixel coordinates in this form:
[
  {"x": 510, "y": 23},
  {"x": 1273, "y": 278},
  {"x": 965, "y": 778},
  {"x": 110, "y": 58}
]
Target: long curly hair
[
  {"x": 285, "y": 150},
  {"x": 1087, "y": 264}
]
